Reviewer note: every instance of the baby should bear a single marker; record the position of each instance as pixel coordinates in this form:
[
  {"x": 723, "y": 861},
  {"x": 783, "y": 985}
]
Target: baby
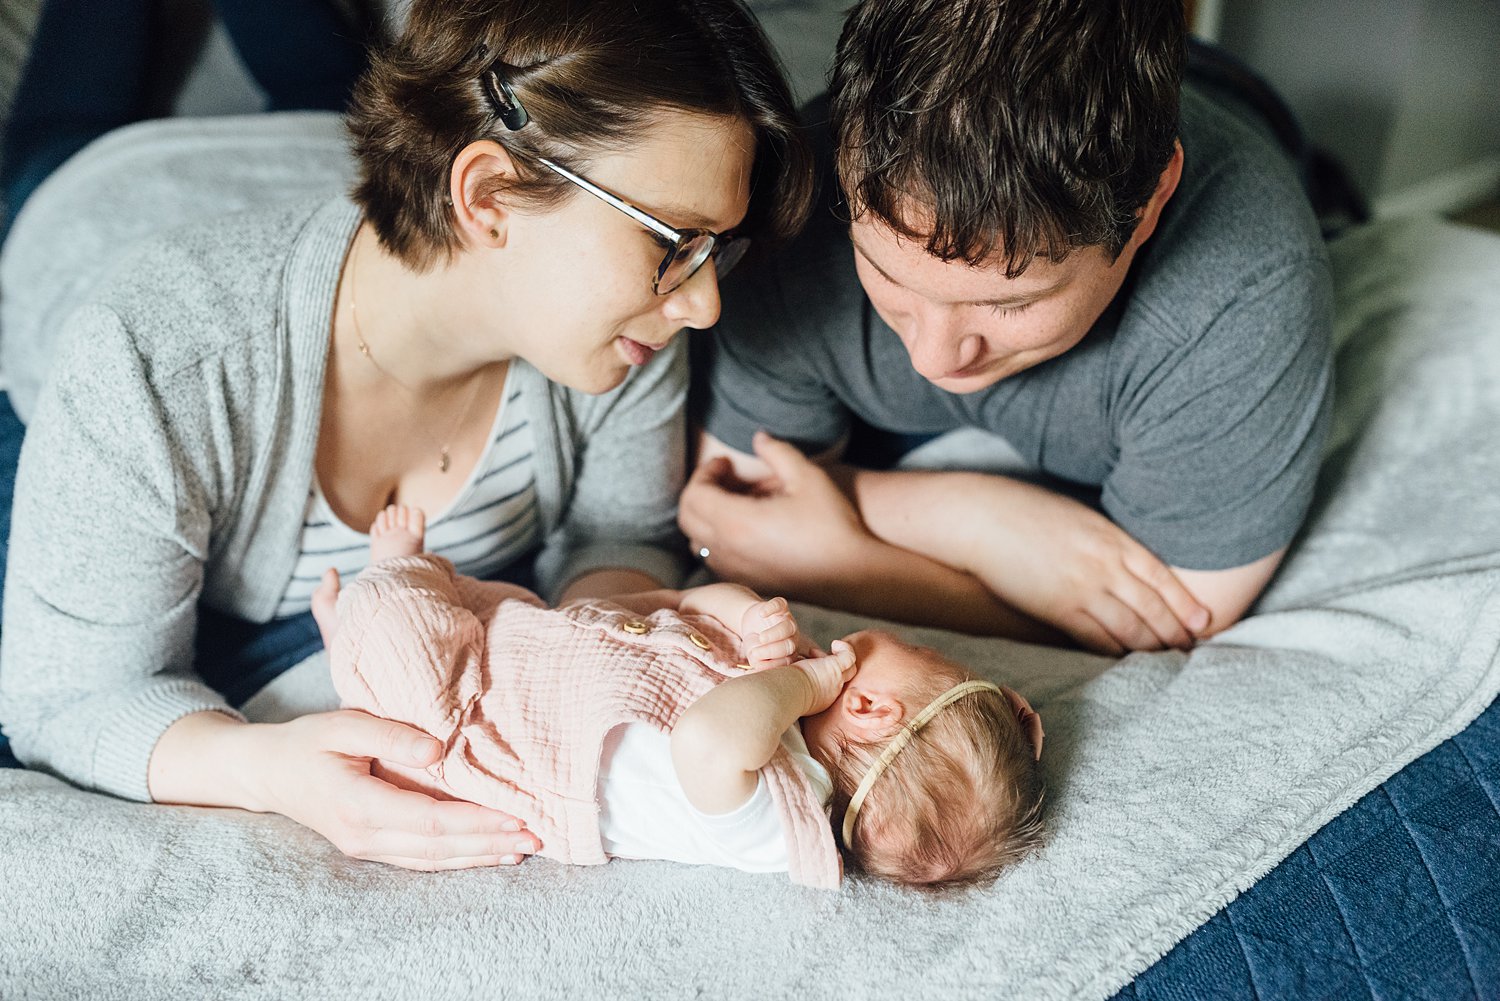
[{"x": 698, "y": 726}]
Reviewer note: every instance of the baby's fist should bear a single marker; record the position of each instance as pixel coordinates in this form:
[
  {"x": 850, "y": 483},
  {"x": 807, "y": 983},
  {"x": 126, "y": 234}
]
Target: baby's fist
[
  {"x": 828, "y": 675},
  {"x": 769, "y": 635}
]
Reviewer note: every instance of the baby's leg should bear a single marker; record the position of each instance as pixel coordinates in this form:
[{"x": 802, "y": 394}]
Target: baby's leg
[{"x": 398, "y": 531}]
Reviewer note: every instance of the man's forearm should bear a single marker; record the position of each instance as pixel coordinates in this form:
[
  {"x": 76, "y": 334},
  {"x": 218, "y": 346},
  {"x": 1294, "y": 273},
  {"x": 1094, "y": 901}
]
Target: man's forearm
[
  {"x": 923, "y": 512},
  {"x": 890, "y": 582}
]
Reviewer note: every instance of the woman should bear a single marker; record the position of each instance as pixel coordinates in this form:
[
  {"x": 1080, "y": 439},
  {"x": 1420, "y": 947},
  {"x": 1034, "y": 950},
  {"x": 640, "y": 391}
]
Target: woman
[{"x": 546, "y": 197}]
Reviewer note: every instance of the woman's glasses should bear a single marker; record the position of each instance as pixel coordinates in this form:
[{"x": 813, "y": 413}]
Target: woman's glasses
[{"x": 687, "y": 249}]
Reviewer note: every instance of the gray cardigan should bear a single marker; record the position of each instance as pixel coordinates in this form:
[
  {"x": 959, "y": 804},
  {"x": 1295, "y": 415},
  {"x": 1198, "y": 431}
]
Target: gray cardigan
[{"x": 169, "y": 460}]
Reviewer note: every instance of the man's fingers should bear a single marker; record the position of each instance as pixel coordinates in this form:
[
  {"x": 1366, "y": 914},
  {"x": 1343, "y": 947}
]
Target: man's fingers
[
  {"x": 1157, "y": 575},
  {"x": 1092, "y": 635},
  {"x": 1124, "y": 625},
  {"x": 1151, "y": 609}
]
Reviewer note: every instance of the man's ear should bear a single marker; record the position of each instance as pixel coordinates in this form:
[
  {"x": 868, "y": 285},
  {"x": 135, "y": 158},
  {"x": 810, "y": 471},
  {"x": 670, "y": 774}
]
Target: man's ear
[
  {"x": 872, "y": 715},
  {"x": 1166, "y": 185},
  {"x": 480, "y": 215}
]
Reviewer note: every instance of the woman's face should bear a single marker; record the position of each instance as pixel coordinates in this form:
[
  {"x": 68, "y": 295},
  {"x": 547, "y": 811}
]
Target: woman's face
[{"x": 569, "y": 289}]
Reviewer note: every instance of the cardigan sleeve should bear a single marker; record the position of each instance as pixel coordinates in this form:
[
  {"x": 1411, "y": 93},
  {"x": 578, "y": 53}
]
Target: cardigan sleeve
[
  {"x": 629, "y": 465},
  {"x": 109, "y": 536}
]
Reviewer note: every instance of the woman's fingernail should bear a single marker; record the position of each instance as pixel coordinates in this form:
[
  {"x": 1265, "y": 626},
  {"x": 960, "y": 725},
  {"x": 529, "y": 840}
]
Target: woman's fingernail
[
  {"x": 511, "y": 825},
  {"x": 509, "y": 859},
  {"x": 524, "y": 847}
]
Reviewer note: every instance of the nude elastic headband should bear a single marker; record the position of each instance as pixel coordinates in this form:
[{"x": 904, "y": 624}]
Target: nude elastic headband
[{"x": 898, "y": 742}]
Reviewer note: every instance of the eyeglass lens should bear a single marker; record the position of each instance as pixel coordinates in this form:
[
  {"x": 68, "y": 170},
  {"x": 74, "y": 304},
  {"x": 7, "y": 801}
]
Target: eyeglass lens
[{"x": 691, "y": 254}]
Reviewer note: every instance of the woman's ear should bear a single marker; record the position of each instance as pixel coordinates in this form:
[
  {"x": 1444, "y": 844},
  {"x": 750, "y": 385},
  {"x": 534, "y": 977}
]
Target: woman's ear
[
  {"x": 481, "y": 216},
  {"x": 872, "y": 715},
  {"x": 1029, "y": 718}
]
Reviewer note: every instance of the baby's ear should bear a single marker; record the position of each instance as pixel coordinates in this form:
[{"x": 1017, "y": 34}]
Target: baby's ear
[
  {"x": 1029, "y": 718},
  {"x": 872, "y": 715}
]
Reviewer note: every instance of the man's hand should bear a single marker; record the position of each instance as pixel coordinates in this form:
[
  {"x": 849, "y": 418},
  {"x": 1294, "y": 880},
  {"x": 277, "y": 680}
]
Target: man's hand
[
  {"x": 793, "y": 531},
  {"x": 1049, "y": 556}
]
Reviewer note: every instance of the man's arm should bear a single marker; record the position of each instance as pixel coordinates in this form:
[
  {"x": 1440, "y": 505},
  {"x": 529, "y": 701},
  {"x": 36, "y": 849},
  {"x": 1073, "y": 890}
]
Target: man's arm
[
  {"x": 961, "y": 550},
  {"x": 1032, "y": 546},
  {"x": 790, "y": 530}
]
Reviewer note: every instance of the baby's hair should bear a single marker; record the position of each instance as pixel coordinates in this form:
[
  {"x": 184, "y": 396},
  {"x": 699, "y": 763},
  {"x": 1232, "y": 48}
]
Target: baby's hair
[{"x": 961, "y": 803}]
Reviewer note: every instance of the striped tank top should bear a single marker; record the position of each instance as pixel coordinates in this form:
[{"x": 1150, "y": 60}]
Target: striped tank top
[{"x": 491, "y": 522}]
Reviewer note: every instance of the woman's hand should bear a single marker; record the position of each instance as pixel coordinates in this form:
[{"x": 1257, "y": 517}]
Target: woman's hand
[
  {"x": 792, "y": 532},
  {"x": 316, "y": 771}
]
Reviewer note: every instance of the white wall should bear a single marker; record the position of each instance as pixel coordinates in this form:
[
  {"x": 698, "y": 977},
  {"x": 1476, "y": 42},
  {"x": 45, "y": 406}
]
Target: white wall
[{"x": 1405, "y": 92}]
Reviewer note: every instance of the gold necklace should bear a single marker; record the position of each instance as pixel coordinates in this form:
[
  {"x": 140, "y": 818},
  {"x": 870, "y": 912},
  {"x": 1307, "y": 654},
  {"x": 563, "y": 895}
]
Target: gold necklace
[{"x": 444, "y": 460}]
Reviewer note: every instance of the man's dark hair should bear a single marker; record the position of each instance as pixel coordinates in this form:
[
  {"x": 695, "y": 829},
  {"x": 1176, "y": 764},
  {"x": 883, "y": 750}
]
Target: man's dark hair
[
  {"x": 593, "y": 77},
  {"x": 1017, "y": 128}
]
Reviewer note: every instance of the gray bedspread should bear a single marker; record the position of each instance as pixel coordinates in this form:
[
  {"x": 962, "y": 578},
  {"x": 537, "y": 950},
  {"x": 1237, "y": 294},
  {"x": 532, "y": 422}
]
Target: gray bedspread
[{"x": 1175, "y": 780}]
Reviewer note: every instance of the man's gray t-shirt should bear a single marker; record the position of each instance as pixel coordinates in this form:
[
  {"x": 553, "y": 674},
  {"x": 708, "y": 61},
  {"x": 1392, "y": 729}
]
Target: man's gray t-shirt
[{"x": 1196, "y": 406}]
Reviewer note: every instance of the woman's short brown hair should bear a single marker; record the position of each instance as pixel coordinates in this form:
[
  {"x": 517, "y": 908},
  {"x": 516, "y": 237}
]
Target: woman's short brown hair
[
  {"x": 593, "y": 76},
  {"x": 1023, "y": 128}
]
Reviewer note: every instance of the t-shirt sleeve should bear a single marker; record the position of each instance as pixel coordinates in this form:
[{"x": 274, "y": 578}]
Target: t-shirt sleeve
[
  {"x": 1219, "y": 448},
  {"x": 758, "y": 369}
]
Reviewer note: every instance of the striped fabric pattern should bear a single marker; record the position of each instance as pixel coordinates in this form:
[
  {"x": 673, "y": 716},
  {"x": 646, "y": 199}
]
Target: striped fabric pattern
[{"x": 491, "y": 522}]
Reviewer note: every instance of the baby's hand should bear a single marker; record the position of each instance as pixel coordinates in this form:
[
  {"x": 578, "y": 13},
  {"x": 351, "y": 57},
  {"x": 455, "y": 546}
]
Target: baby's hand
[
  {"x": 828, "y": 675},
  {"x": 769, "y": 636}
]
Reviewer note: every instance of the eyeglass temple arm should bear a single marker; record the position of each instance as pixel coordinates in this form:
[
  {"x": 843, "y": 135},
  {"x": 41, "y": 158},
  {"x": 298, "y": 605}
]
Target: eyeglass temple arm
[{"x": 650, "y": 222}]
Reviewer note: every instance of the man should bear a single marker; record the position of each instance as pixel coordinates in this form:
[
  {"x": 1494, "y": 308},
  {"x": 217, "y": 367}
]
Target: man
[{"x": 1044, "y": 236}]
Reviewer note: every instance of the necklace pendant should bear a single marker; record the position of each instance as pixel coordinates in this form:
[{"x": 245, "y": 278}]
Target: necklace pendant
[{"x": 443, "y": 461}]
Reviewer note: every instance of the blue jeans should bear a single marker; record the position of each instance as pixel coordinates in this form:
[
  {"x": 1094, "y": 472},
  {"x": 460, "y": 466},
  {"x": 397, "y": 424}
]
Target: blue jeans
[
  {"x": 93, "y": 67},
  {"x": 11, "y": 433}
]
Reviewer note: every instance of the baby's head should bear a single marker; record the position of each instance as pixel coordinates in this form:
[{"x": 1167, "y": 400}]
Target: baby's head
[{"x": 961, "y": 798}]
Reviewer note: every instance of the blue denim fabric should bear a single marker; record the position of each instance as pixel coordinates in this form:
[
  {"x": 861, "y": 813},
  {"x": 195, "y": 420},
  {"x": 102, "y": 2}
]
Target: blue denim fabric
[
  {"x": 11, "y": 433},
  {"x": 93, "y": 68}
]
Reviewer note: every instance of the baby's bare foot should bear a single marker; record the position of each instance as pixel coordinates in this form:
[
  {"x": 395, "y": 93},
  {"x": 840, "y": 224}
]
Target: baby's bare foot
[
  {"x": 398, "y": 531},
  {"x": 324, "y": 602}
]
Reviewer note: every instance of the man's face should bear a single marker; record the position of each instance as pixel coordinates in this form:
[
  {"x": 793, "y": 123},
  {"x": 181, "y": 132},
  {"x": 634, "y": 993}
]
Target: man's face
[{"x": 967, "y": 328}]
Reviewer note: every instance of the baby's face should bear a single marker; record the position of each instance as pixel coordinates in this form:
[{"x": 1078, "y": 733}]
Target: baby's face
[{"x": 885, "y": 668}]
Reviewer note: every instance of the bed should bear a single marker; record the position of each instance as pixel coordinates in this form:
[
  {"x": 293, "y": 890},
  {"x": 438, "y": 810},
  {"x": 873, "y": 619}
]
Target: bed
[
  {"x": 1308, "y": 807},
  {"x": 1304, "y": 807}
]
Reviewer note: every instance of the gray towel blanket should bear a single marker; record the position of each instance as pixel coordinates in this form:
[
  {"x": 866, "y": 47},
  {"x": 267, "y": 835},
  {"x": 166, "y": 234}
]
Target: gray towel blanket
[{"x": 1175, "y": 780}]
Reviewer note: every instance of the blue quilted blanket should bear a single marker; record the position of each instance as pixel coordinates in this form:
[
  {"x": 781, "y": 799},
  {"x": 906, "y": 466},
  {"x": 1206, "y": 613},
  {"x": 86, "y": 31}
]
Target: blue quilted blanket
[{"x": 1398, "y": 899}]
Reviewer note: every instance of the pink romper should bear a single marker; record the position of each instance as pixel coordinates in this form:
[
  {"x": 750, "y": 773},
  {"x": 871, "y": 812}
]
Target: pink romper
[{"x": 522, "y": 697}]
